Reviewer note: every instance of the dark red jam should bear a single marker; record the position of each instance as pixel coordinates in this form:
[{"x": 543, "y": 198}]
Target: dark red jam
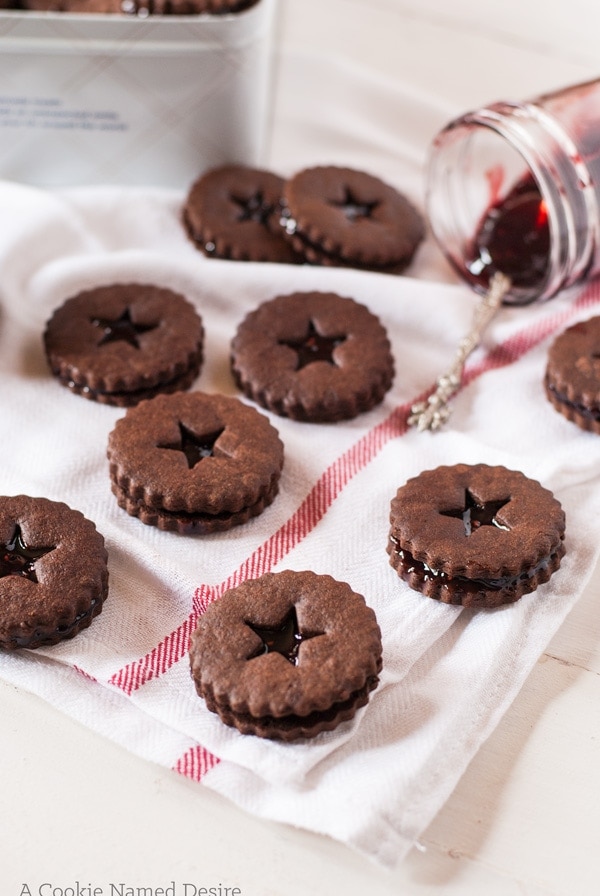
[
  {"x": 284, "y": 639},
  {"x": 313, "y": 347},
  {"x": 195, "y": 448},
  {"x": 353, "y": 208},
  {"x": 589, "y": 413},
  {"x": 18, "y": 558},
  {"x": 42, "y": 637},
  {"x": 513, "y": 238},
  {"x": 408, "y": 566},
  {"x": 253, "y": 208},
  {"x": 121, "y": 329},
  {"x": 474, "y": 514}
]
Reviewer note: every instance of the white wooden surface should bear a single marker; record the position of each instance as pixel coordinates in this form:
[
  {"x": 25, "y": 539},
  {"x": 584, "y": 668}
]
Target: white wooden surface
[{"x": 525, "y": 819}]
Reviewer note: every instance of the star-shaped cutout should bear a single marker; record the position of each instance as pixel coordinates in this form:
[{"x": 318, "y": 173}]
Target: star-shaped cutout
[
  {"x": 474, "y": 514},
  {"x": 285, "y": 639},
  {"x": 253, "y": 208},
  {"x": 313, "y": 347},
  {"x": 195, "y": 448},
  {"x": 121, "y": 329},
  {"x": 18, "y": 558},
  {"x": 353, "y": 208}
]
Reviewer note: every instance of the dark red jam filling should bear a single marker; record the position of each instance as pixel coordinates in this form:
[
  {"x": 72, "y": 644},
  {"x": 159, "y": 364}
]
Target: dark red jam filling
[
  {"x": 316, "y": 718},
  {"x": 352, "y": 208},
  {"x": 290, "y": 225},
  {"x": 284, "y": 639},
  {"x": 195, "y": 448},
  {"x": 590, "y": 413},
  {"x": 41, "y": 637},
  {"x": 314, "y": 347},
  {"x": 408, "y": 566},
  {"x": 475, "y": 514},
  {"x": 18, "y": 558},
  {"x": 121, "y": 329},
  {"x": 513, "y": 238},
  {"x": 253, "y": 208}
]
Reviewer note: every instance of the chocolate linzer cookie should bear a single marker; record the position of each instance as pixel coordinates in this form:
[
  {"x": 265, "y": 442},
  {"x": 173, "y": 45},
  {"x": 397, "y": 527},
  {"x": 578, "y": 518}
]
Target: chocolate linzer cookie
[
  {"x": 122, "y": 343},
  {"x": 140, "y": 8},
  {"x": 313, "y": 356},
  {"x": 194, "y": 463},
  {"x": 72, "y": 6},
  {"x": 187, "y": 7},
  {"x": 478, "y": 535},
  {"x": 572, "y": 380},
  {"x": 233, "y": 212},
  {"x": 287, "y": 655},
  {"x": 342, "y": 217},
  {"x": 53, "y": 572}
]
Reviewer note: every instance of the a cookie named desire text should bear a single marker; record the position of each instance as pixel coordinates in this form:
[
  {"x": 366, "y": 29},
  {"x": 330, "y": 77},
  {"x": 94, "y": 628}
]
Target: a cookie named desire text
[{"x": 122, "y": 889}]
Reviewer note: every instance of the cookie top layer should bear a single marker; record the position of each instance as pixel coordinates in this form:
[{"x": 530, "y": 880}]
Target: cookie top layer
[
  {"x": 573, "y": 373},
  {"x": 192, "y": 451},
  {"x": 117, "y": 343},
  {"x": 237, "y": 662},
  {"x": 339, "y": 216},
  {"x": 313, "y": 356},
  {"x": 53, "y": 571},
  {"x": 233, "y": 212},
  {"x": 476, "y": 521}
]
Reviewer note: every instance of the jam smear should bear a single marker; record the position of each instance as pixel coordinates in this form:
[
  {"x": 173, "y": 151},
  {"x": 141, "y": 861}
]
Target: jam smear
[
  {"x": 513, "y": 238},
  {"x": 18, "y": 558},
  {"x": 313, "y": 347},
  {"x": 285, "y": 639}
]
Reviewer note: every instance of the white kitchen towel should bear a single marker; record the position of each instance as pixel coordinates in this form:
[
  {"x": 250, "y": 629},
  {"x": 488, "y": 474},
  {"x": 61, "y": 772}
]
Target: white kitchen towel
[{"x": 449, "y": 674}]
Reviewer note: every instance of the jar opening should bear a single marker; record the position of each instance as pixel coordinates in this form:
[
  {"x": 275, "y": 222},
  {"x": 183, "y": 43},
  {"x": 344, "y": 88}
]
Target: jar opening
[
  {"x": 513, "y": 238},
  {"x": 505, "y": 193}
]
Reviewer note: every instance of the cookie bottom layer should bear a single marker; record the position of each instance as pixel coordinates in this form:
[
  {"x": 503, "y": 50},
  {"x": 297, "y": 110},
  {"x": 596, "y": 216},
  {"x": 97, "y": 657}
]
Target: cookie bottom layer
[
  {"x": 587, "y": 418},
  {"x": 293, "y": 727},
  {"x": 316, "y": 254},
  {"x": 484, "y": 592},
  {"x": 47, "y": 637},
  {"x": 294, "y": 408},
  {"x": 199, "y": 523},
  {"x": 130, "y": 397}
]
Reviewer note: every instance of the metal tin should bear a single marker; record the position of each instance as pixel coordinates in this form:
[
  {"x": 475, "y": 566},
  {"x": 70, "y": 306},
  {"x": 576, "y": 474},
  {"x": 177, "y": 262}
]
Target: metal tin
[{"x": 113, "y": 99}]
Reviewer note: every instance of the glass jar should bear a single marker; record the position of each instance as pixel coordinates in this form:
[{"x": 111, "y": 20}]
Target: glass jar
[{"x": 515, "y": 187}]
